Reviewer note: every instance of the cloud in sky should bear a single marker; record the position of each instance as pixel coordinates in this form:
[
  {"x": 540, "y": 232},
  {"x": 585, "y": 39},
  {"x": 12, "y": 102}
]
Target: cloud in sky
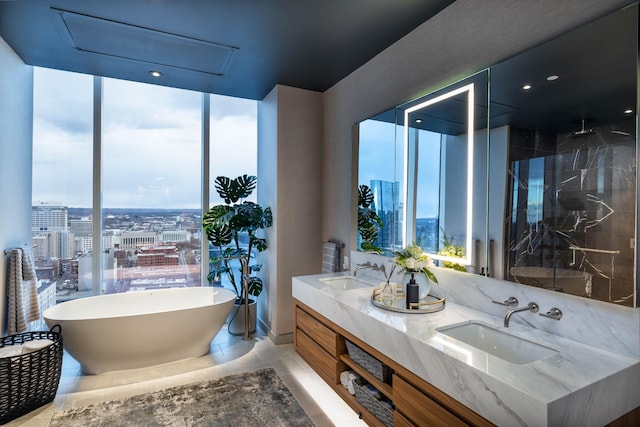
[{"x": 151, "y": 142}]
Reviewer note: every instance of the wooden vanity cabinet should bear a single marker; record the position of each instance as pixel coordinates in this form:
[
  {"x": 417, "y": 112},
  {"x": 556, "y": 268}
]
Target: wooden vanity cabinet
[{"x": 321, "y": 344}]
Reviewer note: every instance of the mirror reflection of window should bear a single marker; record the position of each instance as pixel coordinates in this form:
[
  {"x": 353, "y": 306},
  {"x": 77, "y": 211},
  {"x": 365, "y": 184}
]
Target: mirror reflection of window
[
  {"x": 377, "y": 149},
  {"x": 428, "y": 178}
]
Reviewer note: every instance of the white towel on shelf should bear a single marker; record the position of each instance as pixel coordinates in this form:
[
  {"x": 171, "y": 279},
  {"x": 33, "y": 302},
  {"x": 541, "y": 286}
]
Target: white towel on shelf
[
  {"x": 352, "y": 377},
  {"x": 22, "y": 291},
  {"x": 330, "y": 257},
  {"x": 344, "y": 378}
]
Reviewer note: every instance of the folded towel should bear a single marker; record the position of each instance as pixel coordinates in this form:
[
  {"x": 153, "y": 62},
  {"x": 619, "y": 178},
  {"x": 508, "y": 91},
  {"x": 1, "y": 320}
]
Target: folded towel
[
  {"x": 330, "y": 257},
  {"x": 35, "y": 345},
  {"x": 11, "y": 350}
]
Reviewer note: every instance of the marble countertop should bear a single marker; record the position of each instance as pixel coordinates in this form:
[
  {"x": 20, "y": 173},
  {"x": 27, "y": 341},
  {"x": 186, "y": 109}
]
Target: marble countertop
[{"x": 579, "y": 385}]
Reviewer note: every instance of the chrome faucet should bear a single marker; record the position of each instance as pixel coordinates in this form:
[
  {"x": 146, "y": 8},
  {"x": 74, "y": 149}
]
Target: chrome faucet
[
  {"x": 368, "y": 264},
  {"x": 531, "y": 307}
]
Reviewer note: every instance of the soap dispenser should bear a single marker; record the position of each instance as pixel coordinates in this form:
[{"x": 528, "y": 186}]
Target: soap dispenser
[{"x": 413, "y": 291}]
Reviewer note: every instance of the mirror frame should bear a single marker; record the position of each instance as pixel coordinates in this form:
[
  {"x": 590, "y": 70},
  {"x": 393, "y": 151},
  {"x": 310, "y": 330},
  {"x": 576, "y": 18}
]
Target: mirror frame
[{"x": 409, "y": 226}]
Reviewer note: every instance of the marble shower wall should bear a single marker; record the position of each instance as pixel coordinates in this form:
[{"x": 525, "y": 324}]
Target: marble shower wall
[{"x": 572, "y": 212}]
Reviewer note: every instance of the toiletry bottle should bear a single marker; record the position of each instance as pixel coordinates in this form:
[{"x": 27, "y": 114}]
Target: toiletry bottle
[{"x": 412, "y": 292}]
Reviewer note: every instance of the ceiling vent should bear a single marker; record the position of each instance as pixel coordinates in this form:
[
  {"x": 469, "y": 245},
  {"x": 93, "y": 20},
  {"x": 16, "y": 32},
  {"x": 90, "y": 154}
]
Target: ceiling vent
[{"x": 116, "y": 39}]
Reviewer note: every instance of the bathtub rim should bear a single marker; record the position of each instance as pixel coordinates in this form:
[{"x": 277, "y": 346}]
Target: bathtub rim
[{"x": 61, "y": 311}]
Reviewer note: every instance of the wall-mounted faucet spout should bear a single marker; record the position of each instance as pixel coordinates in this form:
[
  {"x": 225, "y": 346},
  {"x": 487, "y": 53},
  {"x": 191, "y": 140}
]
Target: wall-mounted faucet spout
[
  {"x": 368, "y": 264},
  {"x": 531, "y": 307}
]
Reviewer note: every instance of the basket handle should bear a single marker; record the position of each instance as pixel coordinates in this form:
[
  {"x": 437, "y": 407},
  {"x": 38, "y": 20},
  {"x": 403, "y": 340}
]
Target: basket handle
[{"x": 57, "y": 325}]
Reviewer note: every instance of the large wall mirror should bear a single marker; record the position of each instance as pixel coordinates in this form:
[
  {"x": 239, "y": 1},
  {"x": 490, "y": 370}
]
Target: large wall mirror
[{"x": 549, "y": 197}]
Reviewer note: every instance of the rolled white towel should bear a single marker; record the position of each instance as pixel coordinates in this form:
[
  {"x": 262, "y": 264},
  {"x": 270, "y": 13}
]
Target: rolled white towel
[
  {"x": 11, "y": 350},
  {"x": 352, "y": 377},
  {"x": 344, "y": 378},
  {"x": 35, "y": 345}
]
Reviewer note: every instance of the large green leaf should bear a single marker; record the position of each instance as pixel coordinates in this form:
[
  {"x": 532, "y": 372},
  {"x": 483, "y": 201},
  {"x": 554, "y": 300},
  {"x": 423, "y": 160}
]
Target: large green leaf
[
  {"x": 258, "y": 243},
  {"x": 365, "y": 196},
  {"x": 219, "y": 235},
  {"x": 254, "y": 286},
  {"x": 232, "y": 190},
  {"x": 218, "y": 215}
]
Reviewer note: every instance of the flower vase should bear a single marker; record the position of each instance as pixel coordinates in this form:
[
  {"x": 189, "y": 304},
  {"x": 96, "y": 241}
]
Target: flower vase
[
  {"x": 424, "y": 285},
  {"x": 413, "y": 292}
]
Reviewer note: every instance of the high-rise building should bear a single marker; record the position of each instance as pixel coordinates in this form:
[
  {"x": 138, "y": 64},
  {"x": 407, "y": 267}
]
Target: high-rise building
[
  {"x": 48, "y": 218},
  {"x": 385, "y": 204}
]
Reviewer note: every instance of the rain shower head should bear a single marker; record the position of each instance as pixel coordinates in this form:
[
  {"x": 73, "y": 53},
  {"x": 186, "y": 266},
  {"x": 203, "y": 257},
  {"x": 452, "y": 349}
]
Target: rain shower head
[{"x": 581, "y": 132}]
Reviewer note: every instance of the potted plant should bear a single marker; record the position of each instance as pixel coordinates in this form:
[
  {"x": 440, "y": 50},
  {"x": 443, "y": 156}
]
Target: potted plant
[{"x": 231, "y": 228}]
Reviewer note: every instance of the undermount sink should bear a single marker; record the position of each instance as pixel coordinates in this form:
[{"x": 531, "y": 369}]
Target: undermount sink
[
  {"x": 501, "y": 344},
  {"x": 346, "y": 282}
]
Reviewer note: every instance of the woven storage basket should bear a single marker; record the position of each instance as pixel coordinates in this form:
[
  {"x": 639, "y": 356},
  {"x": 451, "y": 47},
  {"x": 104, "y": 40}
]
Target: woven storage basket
[
  {"x": 30, "y": 380},
  {"x": 381, "y": 408},
  {"x": 375, "y": 367}
]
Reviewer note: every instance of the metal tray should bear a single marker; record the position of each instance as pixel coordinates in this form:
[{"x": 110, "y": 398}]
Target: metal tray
[{"x": 429, "y": 304}]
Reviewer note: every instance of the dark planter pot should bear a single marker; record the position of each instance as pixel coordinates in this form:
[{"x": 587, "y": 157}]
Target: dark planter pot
[{"x": 236, "y": 319}]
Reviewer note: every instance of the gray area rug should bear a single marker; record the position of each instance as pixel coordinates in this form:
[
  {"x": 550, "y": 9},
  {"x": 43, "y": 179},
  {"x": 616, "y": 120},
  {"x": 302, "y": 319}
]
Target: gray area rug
[{"x": 252, "y": 399}]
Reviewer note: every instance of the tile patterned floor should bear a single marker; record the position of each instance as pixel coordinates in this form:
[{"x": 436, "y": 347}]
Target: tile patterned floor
[{"x": 229, "y": 355}]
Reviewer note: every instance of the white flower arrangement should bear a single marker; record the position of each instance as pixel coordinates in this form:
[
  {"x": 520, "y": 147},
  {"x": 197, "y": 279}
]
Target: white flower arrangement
[{"x": 412, "y": 259}]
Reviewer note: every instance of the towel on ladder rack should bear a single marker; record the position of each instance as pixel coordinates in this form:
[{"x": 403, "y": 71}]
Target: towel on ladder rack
[
  {"x": 330, "y": 257},
  {"x": 22, "y": 291}
]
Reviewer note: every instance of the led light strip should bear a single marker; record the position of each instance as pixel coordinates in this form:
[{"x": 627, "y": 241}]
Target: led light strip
[{"x": 470, "y": 129}]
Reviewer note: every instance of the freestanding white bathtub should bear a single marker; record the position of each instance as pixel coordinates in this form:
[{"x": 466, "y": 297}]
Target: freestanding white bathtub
[{"x": 137, "y": 329}]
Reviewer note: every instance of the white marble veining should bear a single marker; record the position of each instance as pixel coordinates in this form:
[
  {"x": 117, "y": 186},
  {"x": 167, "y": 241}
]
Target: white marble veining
[
  {"x": 599, "y": 324},
  {"x": 568, "y": 388}
]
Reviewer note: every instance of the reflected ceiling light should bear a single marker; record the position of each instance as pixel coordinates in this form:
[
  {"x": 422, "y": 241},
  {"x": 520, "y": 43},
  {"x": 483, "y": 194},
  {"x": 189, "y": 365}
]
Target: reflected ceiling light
[
  {"x": 527, "y": 87},
  {"x": 155, "y": 73},
  {"x": 628, "y": 111},
  {"x": 552, "y": 77}
]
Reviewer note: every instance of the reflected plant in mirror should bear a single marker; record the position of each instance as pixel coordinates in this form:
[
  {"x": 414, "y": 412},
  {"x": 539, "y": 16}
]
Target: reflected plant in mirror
[
  {"x": 451, "y": 250},
  {"x": 369, "y": 223}
]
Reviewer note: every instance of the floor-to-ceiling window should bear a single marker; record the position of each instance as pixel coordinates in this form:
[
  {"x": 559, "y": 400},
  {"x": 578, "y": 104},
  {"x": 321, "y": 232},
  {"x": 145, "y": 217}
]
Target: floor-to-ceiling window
[
  {"x": 150, "y": 174},
  {"x": 151, "y": 186},
  {"x": 62, "y": 181},
  {"x": 234, "y": 152}
]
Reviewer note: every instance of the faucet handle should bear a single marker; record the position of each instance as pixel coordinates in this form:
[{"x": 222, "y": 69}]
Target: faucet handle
[
  {"x": 554, "y": 313},
  {"x": 511, "y": 302}
]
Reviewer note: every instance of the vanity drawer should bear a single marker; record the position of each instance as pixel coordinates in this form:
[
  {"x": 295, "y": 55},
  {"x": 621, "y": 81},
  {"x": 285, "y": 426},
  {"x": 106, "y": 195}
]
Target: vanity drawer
[
  {"x": 419, "y": 408},
  {"x": 400, "y": 420},
  {"x": 317, "y": 357},
  {"x": 322, "y": 335}
]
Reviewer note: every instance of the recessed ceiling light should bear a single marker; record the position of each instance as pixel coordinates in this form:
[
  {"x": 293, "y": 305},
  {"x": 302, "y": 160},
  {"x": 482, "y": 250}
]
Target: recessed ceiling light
[
  {"x": 552, "y": 77},
  {"x": 418, "y": 120},
  {"x": 628, "y": 111},
  {"x": 527, "y": 87},
  {"x": 155, "y": 73}
]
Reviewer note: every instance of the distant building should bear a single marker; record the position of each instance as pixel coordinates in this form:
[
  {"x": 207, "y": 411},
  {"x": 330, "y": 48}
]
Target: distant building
[
  {"x": 81, "y": 227},
  {"x": 48, "y": 218},
  {"x": 137, "y": 239},
  {"x": 158, "y": 256},
  {"x": 175, "y": 236}
]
